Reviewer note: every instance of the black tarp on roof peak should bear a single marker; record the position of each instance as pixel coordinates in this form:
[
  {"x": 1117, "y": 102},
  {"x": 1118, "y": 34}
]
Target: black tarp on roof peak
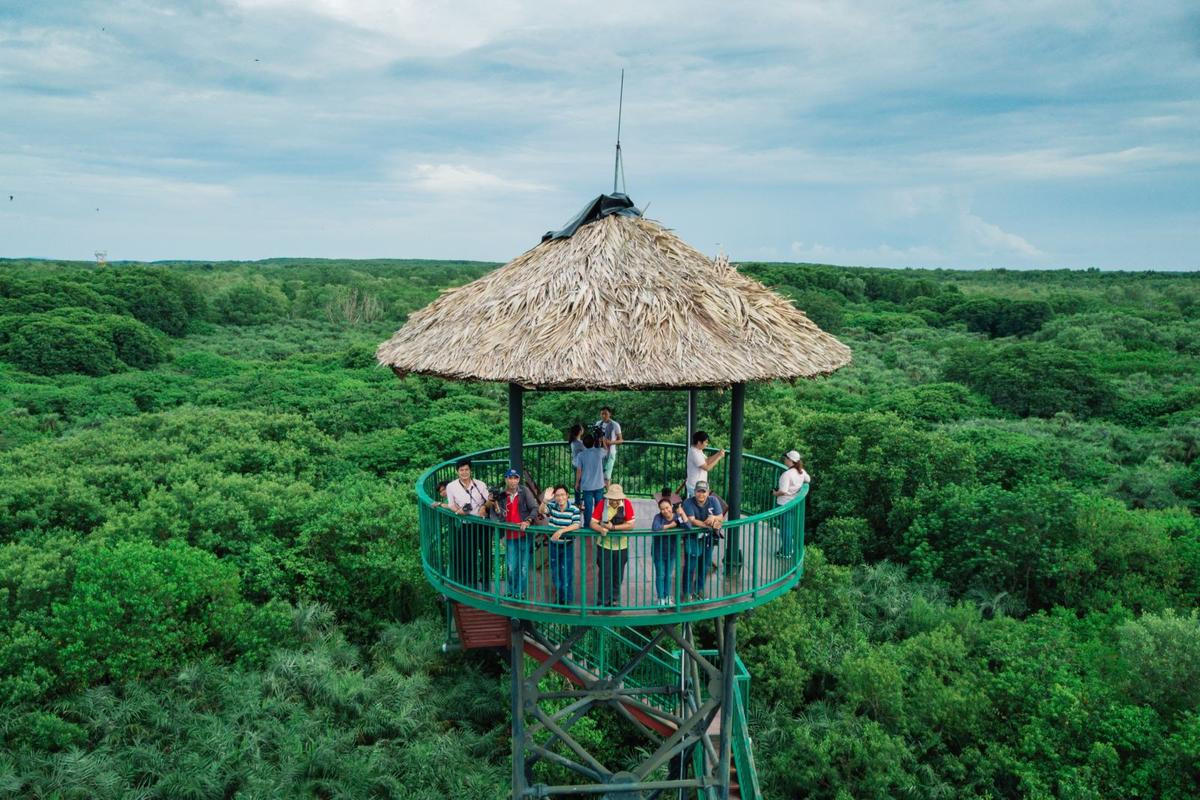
[{"x": 603, "y": 206}]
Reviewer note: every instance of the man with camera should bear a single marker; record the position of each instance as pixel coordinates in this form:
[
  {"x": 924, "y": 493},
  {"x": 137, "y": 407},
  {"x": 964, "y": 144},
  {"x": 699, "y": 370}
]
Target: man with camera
[
  {"x": 698, "y": 464},
  {"x": 470, "y": 543},
  {"x": 515, "y": 505},
  {"x": 589, "y": 474}
]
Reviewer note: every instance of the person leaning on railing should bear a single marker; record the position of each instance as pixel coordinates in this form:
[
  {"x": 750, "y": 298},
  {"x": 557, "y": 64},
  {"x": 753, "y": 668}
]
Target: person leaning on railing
[
  {"x": 612, "y": 551},
  {"x": 470, "y": 543},
  {"x": 664, "y": 550},
  {"x": 516, "y": 505},
  {"x": 705, "y": 514},
  {"x": 791, "y": 481},
  {"x": 563, "y": 516}
]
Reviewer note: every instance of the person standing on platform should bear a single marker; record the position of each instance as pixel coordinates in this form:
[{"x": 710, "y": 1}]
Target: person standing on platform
[
  {"x": 575, "y": 441},
  {"x": 698, "y": 464},
  {"x": 664, "y": 550},
  {"x": 563, "y": 516},
  {"x": 610, "y": 437},
  {"x": 515, "y": 505},
  {"x": 612, "y": 549},
  {"x": 705, "y": 515},
  {"x": 589, "y": 474},
  {"x": 471, "y": 543},
  {"x": 791, "y": 481}
]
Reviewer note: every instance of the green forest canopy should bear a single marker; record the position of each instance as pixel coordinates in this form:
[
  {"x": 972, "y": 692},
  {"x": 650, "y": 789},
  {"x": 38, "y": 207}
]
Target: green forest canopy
[{"x": 208, "y": 538}]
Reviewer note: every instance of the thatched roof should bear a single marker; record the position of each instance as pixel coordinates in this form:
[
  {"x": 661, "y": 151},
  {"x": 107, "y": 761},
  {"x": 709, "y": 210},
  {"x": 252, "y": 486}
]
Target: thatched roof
[{"x": 621, "y": 303}]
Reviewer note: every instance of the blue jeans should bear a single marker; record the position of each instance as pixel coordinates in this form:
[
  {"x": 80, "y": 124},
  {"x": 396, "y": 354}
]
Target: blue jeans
[
  {"x": 665, "y": 552},
  {"x": 562, "y": 570},
  {"x": 517, "y": 555},
  {"x": 591, "y": 498},
  {"x": 698, "y": 555}
]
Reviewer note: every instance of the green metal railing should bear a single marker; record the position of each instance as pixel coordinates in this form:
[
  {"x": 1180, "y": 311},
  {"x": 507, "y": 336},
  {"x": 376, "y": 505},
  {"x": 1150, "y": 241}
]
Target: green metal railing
[{"x": 479, "y": 561}]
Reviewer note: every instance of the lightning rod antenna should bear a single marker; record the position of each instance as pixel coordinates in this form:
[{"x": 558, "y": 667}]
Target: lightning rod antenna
[{"x": 617, "y": 165}]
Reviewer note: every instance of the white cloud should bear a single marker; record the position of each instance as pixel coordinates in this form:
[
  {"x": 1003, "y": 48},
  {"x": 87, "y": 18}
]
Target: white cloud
[
  {"x": 989, "y": 239},
  {"x": 462, "y": 179},
  {"x": 1049, "y": 164}
]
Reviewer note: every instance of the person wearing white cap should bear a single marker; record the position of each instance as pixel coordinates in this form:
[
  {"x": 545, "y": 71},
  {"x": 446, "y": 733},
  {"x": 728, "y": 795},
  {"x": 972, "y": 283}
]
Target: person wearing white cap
[{"x": 791, "y": 480}]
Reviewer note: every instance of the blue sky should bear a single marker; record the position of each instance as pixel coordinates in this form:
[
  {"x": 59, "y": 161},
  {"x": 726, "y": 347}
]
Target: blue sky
[{"x": 940, "y": 134}]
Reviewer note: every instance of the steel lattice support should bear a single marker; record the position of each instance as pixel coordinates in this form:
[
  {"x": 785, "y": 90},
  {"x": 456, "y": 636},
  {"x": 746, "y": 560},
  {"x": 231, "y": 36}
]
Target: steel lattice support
[{"x": 691, "y": 710}]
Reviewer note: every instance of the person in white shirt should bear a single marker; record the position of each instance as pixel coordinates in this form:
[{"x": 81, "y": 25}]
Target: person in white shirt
[
  {"x": 791, "y": 481},
  {"x": 610, "y": 437},
  {"x": 471, "y": 544},
  {"x": 698, "y": 464}
]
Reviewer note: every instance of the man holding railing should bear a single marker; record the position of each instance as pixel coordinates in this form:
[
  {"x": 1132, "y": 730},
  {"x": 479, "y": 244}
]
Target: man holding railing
[
  {"x": 563, "y": 517},
  {"x": 612, "y": 549},
  {"x": 706, "y": 516}
]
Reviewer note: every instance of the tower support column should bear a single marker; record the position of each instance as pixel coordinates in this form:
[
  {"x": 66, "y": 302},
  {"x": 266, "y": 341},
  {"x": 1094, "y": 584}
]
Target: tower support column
[
  {"x": 516, "y": 422},
  {"x": 737, "y": 426},
  {"x": 517, "y": 695}
]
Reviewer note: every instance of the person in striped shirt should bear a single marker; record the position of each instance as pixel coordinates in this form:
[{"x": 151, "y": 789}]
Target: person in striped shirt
[{"x": 564, "y": 518}]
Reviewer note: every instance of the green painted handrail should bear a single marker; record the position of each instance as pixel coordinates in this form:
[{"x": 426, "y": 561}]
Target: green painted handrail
[{"x": 464, "y": 557}]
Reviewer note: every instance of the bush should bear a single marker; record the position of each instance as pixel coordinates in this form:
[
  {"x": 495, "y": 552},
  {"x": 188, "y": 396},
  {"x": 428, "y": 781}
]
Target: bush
[
  {"x": 78, "y": 340},
  {"x": 155, "y": 296},
  {"x": 997, "y": 316},
  {"x": 136, "y": 344},
  {"x": 136, "y": 609},
  {"x": 1033, "y": 380},
  {"x": 247, "y": 304},
  {"x": 48, "y": 346}
]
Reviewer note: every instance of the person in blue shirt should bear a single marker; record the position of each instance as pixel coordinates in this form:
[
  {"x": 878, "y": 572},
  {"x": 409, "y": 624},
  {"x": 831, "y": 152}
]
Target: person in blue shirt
[
  {"x": 664, "y": 550},
  {"x": 705, "y": 515},
  {"x": 589, "y": 474}
]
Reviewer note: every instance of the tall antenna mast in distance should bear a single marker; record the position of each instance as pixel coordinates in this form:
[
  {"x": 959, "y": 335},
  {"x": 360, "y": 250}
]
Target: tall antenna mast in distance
[{"x": 617, "y": 165}]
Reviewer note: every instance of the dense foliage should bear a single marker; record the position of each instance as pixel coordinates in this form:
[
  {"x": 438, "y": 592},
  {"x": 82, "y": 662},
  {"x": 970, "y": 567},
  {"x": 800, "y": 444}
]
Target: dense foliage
[{"x": 210, "y": 584}]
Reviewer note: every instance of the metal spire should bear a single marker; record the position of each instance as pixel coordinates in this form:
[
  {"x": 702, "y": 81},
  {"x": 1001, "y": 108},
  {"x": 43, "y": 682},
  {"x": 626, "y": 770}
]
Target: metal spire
[{"x": 617, "y": 165}]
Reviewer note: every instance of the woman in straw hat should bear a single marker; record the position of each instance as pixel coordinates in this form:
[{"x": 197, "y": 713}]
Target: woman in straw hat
[{"x": 612, "y": 550}]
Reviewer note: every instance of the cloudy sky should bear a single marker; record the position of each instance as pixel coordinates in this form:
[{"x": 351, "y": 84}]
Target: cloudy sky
[{"x": 1023, "y": 133}]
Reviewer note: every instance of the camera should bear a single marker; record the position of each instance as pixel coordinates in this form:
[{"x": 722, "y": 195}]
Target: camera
[{"x": 597, "y": 432}]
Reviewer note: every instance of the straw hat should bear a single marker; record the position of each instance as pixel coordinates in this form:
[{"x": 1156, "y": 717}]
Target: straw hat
[{"x": 615, "y": 492}]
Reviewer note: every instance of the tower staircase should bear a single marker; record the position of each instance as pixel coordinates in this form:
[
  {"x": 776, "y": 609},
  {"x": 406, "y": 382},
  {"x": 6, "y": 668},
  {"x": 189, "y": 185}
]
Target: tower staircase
[{"x": 594, "y": 656}]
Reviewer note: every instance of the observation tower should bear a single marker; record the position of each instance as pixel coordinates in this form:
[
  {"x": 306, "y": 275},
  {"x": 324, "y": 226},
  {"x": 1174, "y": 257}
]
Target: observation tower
[{"x": 617, "y": 301}]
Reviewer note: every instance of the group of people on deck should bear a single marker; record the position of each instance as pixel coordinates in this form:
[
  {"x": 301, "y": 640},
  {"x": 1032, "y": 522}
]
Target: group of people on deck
[{"x": 696, "y": 519}]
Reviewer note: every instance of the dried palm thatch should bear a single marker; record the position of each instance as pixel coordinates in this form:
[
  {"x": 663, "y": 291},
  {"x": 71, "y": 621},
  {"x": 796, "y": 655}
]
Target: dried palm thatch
[{"x": 623, "y": 303}]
